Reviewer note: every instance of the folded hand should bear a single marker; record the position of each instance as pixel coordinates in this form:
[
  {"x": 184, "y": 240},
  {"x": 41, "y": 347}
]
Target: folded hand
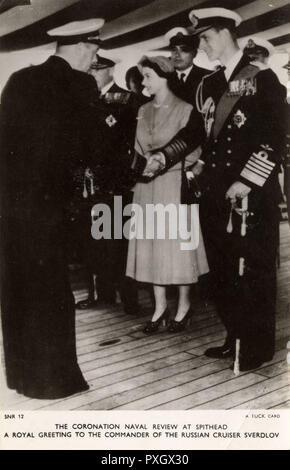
[
  {"x": 237, "y": 190},
  {"x": 154, "y": 165}
]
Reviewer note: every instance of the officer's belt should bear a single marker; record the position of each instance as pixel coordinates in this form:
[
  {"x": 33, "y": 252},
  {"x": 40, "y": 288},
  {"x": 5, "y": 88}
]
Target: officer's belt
[{"x": 227, "y": 101}]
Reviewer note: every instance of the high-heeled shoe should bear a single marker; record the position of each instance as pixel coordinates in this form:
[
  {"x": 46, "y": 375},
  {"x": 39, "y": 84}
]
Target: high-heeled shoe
[
  {"x": 176, "y": 326},
  {"x": 152, "y": 326}
]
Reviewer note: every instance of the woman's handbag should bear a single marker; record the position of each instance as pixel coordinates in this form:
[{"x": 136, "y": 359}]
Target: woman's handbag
[{"x": 190, "y": 190}]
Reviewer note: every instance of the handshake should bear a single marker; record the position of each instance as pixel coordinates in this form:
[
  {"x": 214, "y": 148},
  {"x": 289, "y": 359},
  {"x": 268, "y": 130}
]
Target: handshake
[
  {"x": 151, "y": 164},
  {"x": 155, "y": 164}
]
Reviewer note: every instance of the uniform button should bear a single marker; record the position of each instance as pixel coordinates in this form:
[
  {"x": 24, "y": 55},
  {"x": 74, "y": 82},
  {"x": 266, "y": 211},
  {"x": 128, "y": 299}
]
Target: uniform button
[
  {"x": 229, "y": 139},
  {"x": 213, "y": 153},
  {"x": 229, "y": 126},
  {"x": 229, "y": 151},
  {"x": 215, "y": 140},
  {"x": 287, "y": 145},
  {"x": 228, "y": 164},
  {"x": 213, "y": 165}
]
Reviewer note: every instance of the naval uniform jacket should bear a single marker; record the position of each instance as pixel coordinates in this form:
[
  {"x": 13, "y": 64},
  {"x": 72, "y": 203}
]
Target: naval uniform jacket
[
  {"x": 248, "y": 146},
  {"x": 46, "y": 119},
  {"x": 286, "y": 159},
  {"x": 114, "y": 141}
]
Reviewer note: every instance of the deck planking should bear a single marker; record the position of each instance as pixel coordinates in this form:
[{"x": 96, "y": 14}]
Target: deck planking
[{"x": 169, "y": 372}]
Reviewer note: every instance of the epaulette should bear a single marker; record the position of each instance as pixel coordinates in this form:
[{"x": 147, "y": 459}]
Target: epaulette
[{"x": 117, "y": 97}]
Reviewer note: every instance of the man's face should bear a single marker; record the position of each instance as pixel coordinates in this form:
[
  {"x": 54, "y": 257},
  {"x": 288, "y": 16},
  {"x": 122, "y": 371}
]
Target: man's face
[
  {"x": 102, "y": 77},
  {"x": 87, "y": 52},
  {"x": 182, "y": 57},
  {"x": 213, "y": 43},
  {"x": 132, "y": 86}
]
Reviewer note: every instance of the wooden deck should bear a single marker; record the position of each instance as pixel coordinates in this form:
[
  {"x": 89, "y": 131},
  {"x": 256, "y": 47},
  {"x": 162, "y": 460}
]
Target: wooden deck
[{"x": 169, "y": 371}]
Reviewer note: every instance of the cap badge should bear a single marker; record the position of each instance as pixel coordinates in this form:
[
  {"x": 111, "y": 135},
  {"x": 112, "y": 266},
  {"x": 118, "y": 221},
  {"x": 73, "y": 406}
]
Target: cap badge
[
  {"x": 251, "y": 43},
  {"x": 194, "y": 20}
]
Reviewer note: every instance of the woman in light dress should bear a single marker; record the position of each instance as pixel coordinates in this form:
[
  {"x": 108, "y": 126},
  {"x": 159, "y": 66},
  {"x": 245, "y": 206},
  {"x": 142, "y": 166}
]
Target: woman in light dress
[{"x": 162, "y": 261}]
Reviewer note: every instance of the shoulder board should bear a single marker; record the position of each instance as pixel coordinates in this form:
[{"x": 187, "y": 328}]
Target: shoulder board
[{"x": 118, "y": 97}]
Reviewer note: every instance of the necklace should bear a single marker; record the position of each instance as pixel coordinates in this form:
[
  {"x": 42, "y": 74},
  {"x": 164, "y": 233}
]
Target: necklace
[{"x": 160, "y": 105}]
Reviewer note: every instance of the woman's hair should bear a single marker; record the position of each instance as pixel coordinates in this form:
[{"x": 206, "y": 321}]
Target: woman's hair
[
  {"x": 135, "y": 75},
  {"x": 161, "y": 69}
]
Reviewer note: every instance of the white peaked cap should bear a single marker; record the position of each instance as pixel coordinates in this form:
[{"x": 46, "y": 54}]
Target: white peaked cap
[
  {"x": 205, "y": 17},
  {"x": 76, "y": 28}
]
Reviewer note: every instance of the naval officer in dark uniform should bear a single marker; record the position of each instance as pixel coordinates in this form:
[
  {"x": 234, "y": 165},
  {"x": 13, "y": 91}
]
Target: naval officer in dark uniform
[
  {"x": 105, "y": 259},
  {"x": 186, "y": 79},
  {"x": 238, "y": 168},
  {"x": 188, "y": 75},
  {"x": 44, "y": 138},
  {"x": 259, "y": 51}
]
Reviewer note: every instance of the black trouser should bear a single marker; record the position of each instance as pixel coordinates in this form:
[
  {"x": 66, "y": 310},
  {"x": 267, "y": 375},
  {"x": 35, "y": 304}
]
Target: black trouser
[
  {"x": 246, "y": 304},
  {"x": 38, "y": 315},
  {"x": 287, "y": 187},
  {"x": 107, "y": 260}
]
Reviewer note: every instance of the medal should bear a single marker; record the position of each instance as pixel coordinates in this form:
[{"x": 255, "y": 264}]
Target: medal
[{"x": 243, "y": 87}]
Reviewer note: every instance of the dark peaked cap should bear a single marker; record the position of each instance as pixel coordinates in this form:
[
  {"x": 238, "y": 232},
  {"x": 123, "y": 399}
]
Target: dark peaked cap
[
  {"x": 257, "y": 45},
  {"x": 77, "y": 31},
  {"x": 102, "y": 63},
  {"x": 180, "y": 37}
]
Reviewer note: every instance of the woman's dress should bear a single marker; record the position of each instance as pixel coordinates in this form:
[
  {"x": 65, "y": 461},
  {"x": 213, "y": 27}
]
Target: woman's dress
[{"x": 160, "y": 259}]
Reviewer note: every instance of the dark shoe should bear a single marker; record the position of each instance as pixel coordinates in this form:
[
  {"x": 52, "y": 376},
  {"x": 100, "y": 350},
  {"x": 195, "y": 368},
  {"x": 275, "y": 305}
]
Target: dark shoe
[
  {"x": 132, "y": 309},
  {"x": 85, "y": 304},
  {"x": 152, "y": 326},
  {"x": 220, "y": 352},
  {"x": 110, "y": 301},
  {"x": 176, "y": 326},
  {"x": 88, "y": 303}
]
